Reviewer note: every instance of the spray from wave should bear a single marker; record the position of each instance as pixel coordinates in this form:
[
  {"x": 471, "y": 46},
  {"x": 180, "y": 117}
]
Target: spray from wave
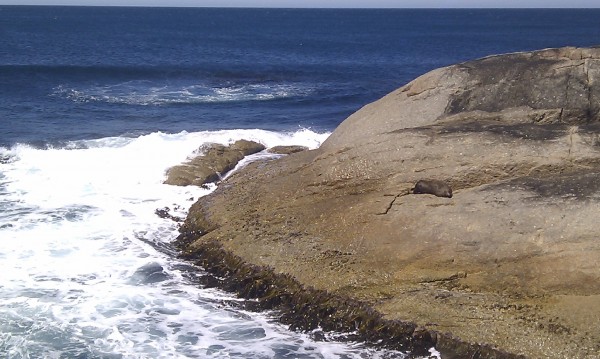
[{"x": 92, "y": 273}]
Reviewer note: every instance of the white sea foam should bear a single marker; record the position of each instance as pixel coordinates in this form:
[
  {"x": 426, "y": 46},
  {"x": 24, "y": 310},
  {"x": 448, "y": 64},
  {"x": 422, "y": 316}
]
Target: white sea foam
[
  {"x": 86, "y": 268},
  {"x": 149, "y": 93}
]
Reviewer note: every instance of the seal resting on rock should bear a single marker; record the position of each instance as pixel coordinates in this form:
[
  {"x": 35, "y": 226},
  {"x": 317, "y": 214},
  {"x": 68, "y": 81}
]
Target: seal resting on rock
[{"x": 434, "y": 187}]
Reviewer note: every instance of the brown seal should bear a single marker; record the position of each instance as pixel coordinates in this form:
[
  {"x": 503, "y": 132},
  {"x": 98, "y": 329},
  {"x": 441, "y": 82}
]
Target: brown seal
[{"x": 434, "y": 187}]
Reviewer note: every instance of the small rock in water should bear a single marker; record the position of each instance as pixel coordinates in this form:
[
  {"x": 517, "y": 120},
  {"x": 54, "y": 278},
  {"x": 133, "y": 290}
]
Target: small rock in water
[
  {"x": 148, "y": 274},
  {"x": 5, "y": 159},
  {"x": 164, "y": 213}
]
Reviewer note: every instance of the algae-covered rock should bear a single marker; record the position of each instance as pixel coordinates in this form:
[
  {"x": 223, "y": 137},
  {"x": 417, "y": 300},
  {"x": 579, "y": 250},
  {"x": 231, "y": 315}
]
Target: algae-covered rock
[
  {"x": 511, "y": 261},
  {"x": 213, "y": 163}
]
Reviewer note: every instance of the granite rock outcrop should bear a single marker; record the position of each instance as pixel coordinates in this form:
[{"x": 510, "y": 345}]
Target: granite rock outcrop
[{"x": 511, "y": 260}]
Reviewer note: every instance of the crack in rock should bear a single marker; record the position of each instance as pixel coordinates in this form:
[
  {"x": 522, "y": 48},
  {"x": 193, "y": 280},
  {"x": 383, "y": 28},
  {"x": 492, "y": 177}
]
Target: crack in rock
[{"x": 407, "y": 192}]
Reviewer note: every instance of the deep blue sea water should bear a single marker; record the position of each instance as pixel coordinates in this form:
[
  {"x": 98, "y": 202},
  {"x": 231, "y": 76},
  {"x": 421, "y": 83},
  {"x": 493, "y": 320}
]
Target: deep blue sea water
[
  {"x": 97, "y": 102},
  {"x": 78, "y": 73}
]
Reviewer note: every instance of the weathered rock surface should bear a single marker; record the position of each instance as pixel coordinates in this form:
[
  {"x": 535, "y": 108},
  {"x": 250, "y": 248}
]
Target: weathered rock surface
[
  {"x": 213, "y": 162},
  {"x": 511, "y": 260},
  {"x": 286, "y": 150}
]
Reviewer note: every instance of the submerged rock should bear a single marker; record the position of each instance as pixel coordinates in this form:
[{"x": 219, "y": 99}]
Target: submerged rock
[
  {"x": 511, "y": 260},
  {"x": 165, "y": 213},
  {"x": 213, "y": 163},
  {"x": 148, "y": 274}
]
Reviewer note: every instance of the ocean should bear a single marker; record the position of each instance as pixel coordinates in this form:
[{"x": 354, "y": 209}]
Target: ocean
[{"x": 96, "y": 103}]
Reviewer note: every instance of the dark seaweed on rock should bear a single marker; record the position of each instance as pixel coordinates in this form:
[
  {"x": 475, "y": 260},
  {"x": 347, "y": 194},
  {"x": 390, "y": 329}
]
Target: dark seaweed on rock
[{"x": 307, "y": 309}]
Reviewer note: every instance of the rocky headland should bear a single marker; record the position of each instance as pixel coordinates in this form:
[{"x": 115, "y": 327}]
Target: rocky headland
[{"x": 508, "y": 266}]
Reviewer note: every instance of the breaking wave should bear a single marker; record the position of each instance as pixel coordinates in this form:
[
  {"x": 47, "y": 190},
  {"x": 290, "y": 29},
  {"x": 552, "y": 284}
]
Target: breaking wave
[{"x": 91, "y": 275}]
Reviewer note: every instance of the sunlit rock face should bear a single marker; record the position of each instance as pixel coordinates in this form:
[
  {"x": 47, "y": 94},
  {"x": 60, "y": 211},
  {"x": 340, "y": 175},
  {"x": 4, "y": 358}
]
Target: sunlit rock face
[{"x": 511, "y": 259}]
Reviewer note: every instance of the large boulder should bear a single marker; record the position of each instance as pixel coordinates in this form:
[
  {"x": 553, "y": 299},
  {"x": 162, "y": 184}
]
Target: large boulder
[
  {"x": 212, "y": 163},
  {"x": 512, "y": 259}
]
